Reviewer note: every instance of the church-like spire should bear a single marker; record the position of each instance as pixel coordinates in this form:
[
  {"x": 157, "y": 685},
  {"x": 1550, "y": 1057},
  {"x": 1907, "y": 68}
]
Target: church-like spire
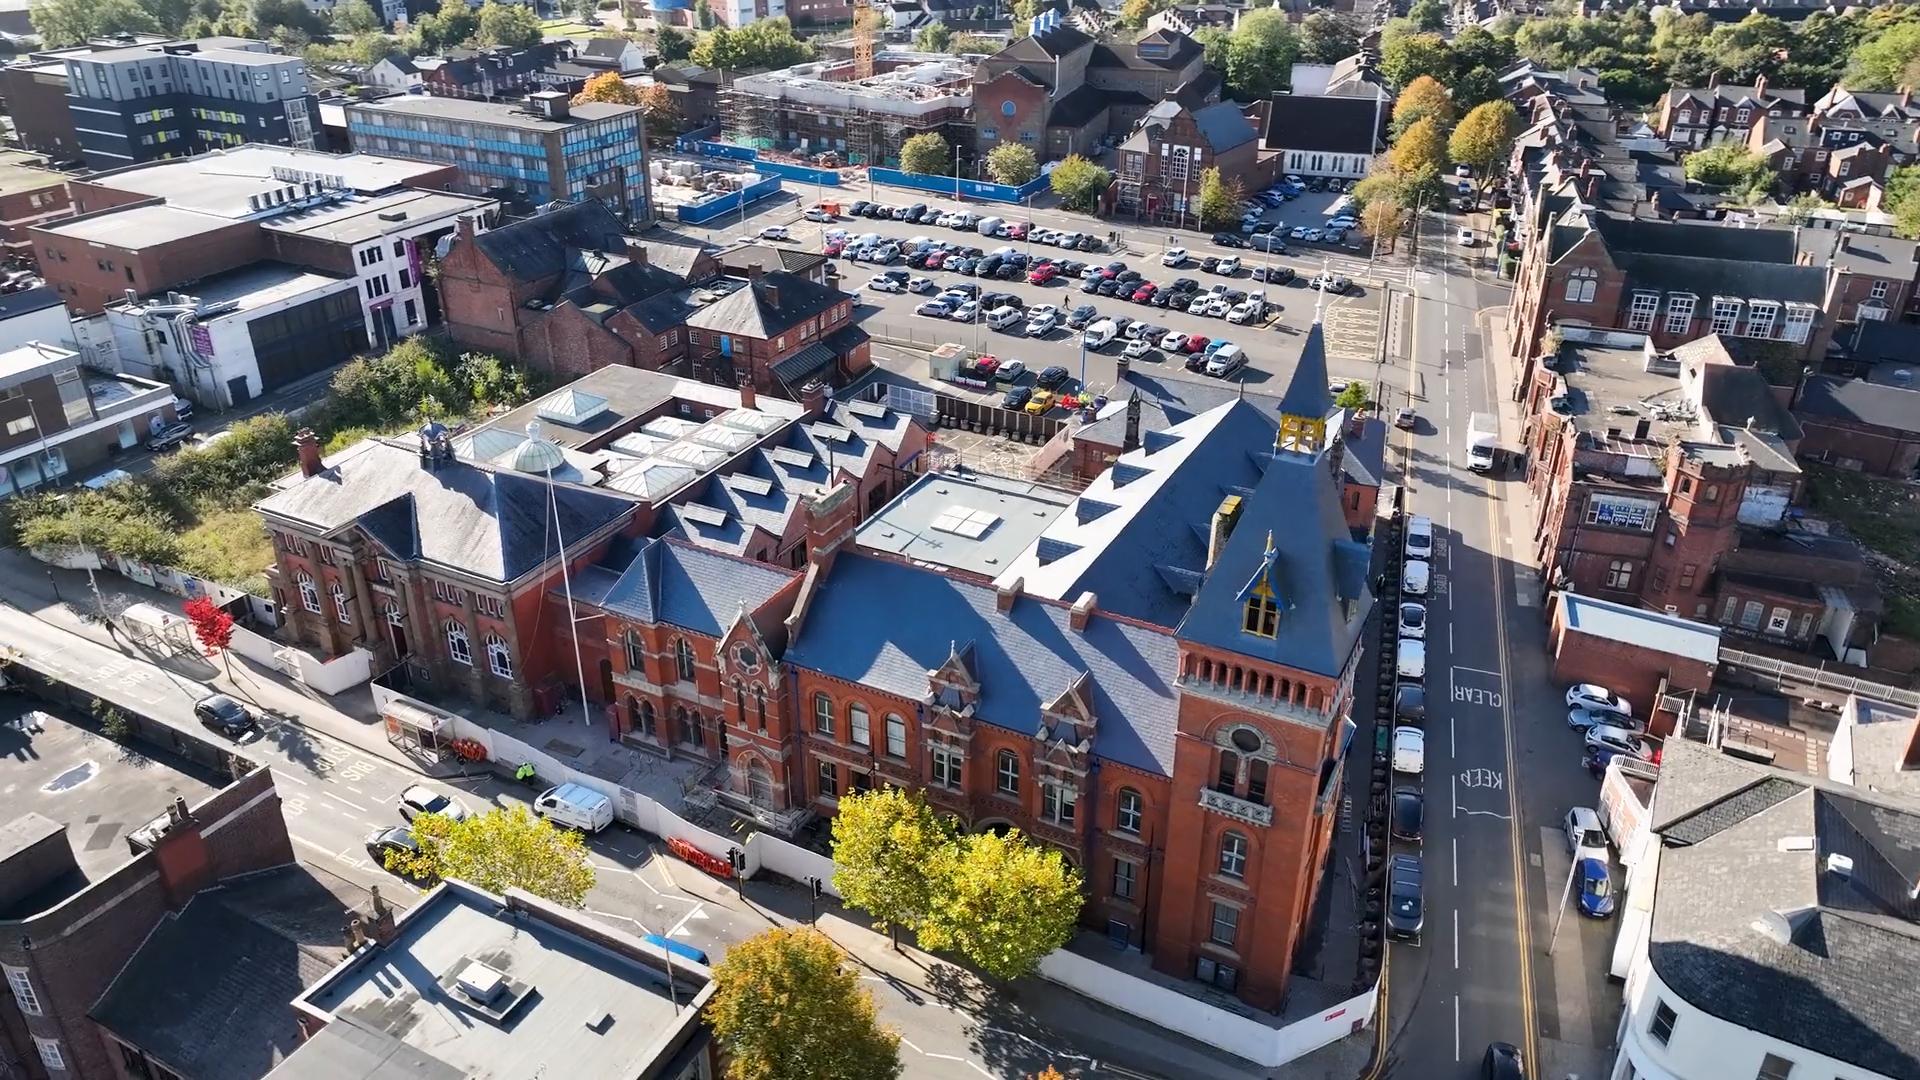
[{"x": 1307, "y": 401}]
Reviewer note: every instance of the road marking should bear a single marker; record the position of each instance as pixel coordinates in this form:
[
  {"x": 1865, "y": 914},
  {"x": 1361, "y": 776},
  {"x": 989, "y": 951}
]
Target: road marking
[
  {"x": 699, "y": 912},
  {"x": 1456, "y": 932},
  {"x": 304, "y": 842},
  {"x": 908, "y": 1043},
  {"x": 1456, "y": 862},
  {"x": 347, "y": 802},
  {"x": 1478, "y": 671},
  {"x": 283, "y": 778},
  {"x": 1456, "y": 1027}
]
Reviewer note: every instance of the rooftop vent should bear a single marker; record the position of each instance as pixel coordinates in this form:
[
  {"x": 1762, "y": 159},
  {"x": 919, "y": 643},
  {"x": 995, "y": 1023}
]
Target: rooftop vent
[
  {"x": 486, "y": 990},
  {"x": 1840, "y": 865},
  {"x": 1796, "y": 843},
  {"x": 1783, "y": 927}
]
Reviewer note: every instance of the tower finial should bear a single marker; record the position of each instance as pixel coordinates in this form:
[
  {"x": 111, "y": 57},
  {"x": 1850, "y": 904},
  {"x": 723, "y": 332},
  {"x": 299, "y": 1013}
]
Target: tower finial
[{"x": 1320, "y": 301}]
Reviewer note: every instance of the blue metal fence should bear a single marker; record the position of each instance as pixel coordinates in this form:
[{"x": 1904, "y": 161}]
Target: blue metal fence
[
  {"x": 806, "y": 174},
  {"x": 947, "y": 185},
  {"x": 707, "y": 209}
]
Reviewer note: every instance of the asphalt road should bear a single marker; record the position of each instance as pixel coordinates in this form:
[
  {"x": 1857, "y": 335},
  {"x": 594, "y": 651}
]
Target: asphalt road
[{"x": 1501, "y": 767}]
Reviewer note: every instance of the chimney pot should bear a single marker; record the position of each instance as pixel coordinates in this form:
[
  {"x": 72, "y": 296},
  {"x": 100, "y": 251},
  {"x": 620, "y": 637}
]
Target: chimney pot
[
  {"x": 307, "y": 445},
  {"x": 1760, "y": 86},
  {"x": 1082, "y": 611},
  {"x": 748, "y": 397}
]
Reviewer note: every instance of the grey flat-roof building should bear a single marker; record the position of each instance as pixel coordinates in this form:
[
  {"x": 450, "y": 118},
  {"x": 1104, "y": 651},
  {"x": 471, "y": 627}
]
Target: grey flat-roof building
[
  {"x": 179, "y": 98},
  {"x": 541, "y": 149}
]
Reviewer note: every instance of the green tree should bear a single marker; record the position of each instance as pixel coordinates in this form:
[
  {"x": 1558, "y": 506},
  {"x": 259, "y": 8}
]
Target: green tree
[
  {"x": 454, "y": 24},
  {"x": 1219, "y": 202},
  {"x": 1005, "y": 903},
  {"x": 1012, "y": 164},
  {"x": 1326, "y": 38},
  {"x": 785, "y": 1007},
  {"x": 716, "y": 49},
  {"x": 1079, "y": 183},
  {"x": 887, "y": 847},
  {"x": 1880, "y": 62},
  {"x": 1260, "y": 54},
  {"x": 1476, "y": 47},
  {"x": 1428, "y": 15},
  {"x": 502, "y": 849},
  {"x": 1484, "y": 138},
  {"x": 933, "y": 37},
  {"x": 71, "y": 22},
  {"x": 1423, "y": 97},
  {"x": 172, "y": 15},
  {"x": 1214, "y": 44},
  {"x": 288, "y": 19},
  {"x": 352, "y": 17},
  {"x": 673, "y": 44},
  {"x": 927, "y": 153},
  {"x": 511, "y": 26},
  {"x": 972, "y": 45},
  {"x": 1421, "y": 146},
  {"x": 1408, "y": 56},
  {"x": 607, "y": 87},
  {"x": 1381, "y": 220},
  {"x": 1729, "y": 166},
  {"x": 1751, "y": 47},
  {"x": 1356, "y": 396},
  {"x": 1800, "y": 208},
  {"x": 1135, "y": 13}
]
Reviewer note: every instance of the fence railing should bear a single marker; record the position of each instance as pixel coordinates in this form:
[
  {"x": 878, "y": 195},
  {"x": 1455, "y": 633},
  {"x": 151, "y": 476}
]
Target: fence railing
[{"x": 1782, "y": 671}]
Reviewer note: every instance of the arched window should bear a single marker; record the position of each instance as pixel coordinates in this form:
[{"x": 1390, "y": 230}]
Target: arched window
[
  {"x": 683, "y": 659},
  {"x": 682, "y": 730},
  {"x": 636, "y": 653},
  {"x": 1126, "y": 817},
  {"x": 740, "y": 700},
  {"x": 646, "y": 719},
  {"x": 1581, "y": 285},
  {"x": 1006, "y": 771},
  {"x": 309, "y": 595},
  {"x": 1257, "y": 781},
  {"x": 1229, "y": 777},
  {"x": 458, "y": 647},
  {"x": 499, "y": 656},
  {"x": 394, "y": 615},
  {"x": 760, "y": 784},
  {"x": 1233, "y": 855},
  {"x": 341, "y": 609},
  {"x": 760, "y": 707}
]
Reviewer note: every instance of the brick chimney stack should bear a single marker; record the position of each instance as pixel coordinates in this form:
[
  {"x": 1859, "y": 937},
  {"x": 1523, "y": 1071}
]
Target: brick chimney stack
[
  {"x": 1006, "y": 594},
  {"x": 307, "y": 445},
  {"x": 1082, "y": 611},
  {"x": 380, "y": 927},
  {"x": 748, "y": 396},
  {"x": 1760, "y": 86}
]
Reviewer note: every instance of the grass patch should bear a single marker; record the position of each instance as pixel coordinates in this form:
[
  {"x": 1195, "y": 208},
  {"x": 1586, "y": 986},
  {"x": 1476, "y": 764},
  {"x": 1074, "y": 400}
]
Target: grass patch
[{"x": 229, "y": 546}]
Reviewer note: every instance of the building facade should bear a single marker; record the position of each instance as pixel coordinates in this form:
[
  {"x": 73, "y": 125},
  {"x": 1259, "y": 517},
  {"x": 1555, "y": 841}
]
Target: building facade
[
  {"x": 30, "y": 193},
  {"x": 539, "y": 151},
  {"x": 1707, "y": 116},
  {"x": 58, "y": 418},
  {"x": 1161, "y": 162},
  {"x": 182, "y": 98}
]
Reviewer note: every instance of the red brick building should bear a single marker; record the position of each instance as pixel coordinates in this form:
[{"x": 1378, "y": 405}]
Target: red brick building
[
  {"x": 1639, "y": 654},
  {"x": 1707, "y": 116},
  {"x": 1860, "y": 424},
  {"x": 30, "y": 193}
]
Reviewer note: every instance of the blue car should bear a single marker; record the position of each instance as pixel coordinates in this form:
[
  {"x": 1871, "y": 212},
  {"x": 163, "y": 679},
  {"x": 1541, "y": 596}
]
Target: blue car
[{"x": 1596, "y": 889}]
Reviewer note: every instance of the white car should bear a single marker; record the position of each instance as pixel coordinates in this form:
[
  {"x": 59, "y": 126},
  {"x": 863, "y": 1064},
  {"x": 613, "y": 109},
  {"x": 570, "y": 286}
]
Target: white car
[
  {"x": 1137, "y": 348},
  {"x": 1010, "y": 371},
  {"x": 1409, "y": 750},
  {"x": 1586, "y": 720},
  {"x": 1415, "y": 578},
  {"x": 885, "y": 284},
  {"x": 817, "y": 214},
  {"x": 966, "y": 312},
  {"x": 1199, "y": 305},
  {"x": 1173, "y": 340},
  {"x": 1618, "y": 739},
  {"x": 1410, "y": 660},
  {"x": 1413, "y": 620},
  {"x": 1242, "y": 312},
  {"x": 1174, "y": 257},
  {"x": 1041, "y": 236},
  {"x": 775, "y": 232},
  {"x": 1596, "y": 698},
  {"x": 1467, "y": 239},
  {"x": 1043, "y": 311},
  {"x": 1218, "y": 307},
  {"x": 420, "y": 799},
  {"x": 1420, "y": 540},
  {"x": 1228, "y": 266},
  {"x": 1041, "y": 327},
  {"x": 921, "y": 285}
]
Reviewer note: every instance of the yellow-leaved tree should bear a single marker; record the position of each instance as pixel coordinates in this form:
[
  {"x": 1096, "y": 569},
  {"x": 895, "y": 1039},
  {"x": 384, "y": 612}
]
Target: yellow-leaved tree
[
  {"x": 501, "y": 849},
  {"x": 786, "y": 1008}
]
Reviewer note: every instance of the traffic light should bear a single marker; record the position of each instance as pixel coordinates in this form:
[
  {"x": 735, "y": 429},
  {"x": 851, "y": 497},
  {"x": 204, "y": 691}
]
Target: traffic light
[{"x": 817, "y": 889}]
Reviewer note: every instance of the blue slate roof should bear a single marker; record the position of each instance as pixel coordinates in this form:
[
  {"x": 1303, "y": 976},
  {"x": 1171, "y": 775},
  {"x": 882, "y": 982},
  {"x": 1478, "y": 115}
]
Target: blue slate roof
[
  {"x": 682, "y": 585},
  {"x": 1023, "y": 658},
  {"x": 1319, "y": 572}
]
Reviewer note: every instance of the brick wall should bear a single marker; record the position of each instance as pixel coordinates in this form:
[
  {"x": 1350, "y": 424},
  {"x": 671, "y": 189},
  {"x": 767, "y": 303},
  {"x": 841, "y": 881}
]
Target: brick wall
[
  {"x": 481, "y": 302},
  {"x": 1633, "y": 671},
  {"x": 1879, "y": 450},
  {"x": 19, "y": 210},
  {"x": 1028, "y": 118},
  {"x": 89, "y": 275},
  {"x": 37, "y": 103}
]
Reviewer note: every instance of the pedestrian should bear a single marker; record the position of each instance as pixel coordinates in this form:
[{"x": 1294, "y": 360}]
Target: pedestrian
[{"x": 1380, "y": 583}]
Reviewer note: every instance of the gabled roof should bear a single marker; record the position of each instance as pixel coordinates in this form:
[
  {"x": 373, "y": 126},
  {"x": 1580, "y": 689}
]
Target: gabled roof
[
  {"x": 769, "y": 305},
  {"x": 544, "y": 245},
  {"x": 1860, "y": 401},
  {"x": 1224, "y": 126},
  {"x": 681, "y": 584},
  {"x": 489, "y": 523},
  {"x": 1339, "y": 125},
  {"x": 1023, "y": 658},
  {"x": 1046, "y": 47}
]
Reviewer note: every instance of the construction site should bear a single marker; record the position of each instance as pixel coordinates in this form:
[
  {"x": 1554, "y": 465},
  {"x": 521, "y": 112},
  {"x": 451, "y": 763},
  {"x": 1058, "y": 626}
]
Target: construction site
[{"x": 826, "y": 113}]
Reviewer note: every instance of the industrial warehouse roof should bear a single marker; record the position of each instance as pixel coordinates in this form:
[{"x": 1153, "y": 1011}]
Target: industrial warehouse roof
[{"x": 221, "y": 181}]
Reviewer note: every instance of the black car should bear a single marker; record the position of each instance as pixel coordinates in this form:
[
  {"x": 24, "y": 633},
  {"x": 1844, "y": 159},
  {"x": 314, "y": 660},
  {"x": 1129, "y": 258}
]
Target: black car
[
  {"x": 987, "y": 266},
  {"x": 1072, "y": 268},
  {"x": 858, "y": 209},
  {"x": 1164, "y": 298},
  {"x": 1504, "y": 1062},
  {"x": 1017, "y": 398},
  {"x": 224, "y": 715},
  {"x": 965, "y": 288},
  {"x": 1185, "y": 284},
  {"x": 1090, "y": 243},
  {"x": 1016, "y": 258},
  {"x": 876, "y": 210},
  {"x": 1128, "y": 277},
  {"x": 394, "y": 840},
  {"x": 1410, "y": 704},
  {"x": 1109, "y": 287},
  {"x": 1121, "y": 325},
  {"x": 1197, "y": 362},
  {"x": 1092, "y": 285},
  {"x": 1407, "y": 813},
  {"x": 1209, "y": 264},
  {"x": 1273, "y": 275},
  {"x": 1081, "y": 316},
  {"x": 959, "y": 265},
  {"x": 914, "y": 211},
  {"x": 1008, "y": 271},
  {"x": 1259, "y": 228},
  {"x": 1001, "y": 299},
  {"x": 1406, "y": 908},
  {"x": 1227, "y": 239},
  {"x": 1051, "y": 378},
  {"x": 1235, "y": 296},
  {"x": 918, "y": 260}
]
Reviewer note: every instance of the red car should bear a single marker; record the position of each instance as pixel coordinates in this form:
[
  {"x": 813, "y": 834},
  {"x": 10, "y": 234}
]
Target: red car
[
  {"x": 1145, "y": 292},
  {"x": 987, "y": 365},
  {"x": 935, "y": 258},
  {"x": 1196, "y": 343},
  {"x": 834, "y": 248},
  {"x": 1042, "y": 274},
  {"x": 1018, "y": 230}
]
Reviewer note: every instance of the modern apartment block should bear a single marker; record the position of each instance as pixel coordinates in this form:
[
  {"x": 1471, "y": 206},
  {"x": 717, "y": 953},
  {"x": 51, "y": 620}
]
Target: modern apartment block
[
  {"x": 540, "y": 150},
  {"x": 180, "y": 98},
  {"x": 820, "y": 107}
]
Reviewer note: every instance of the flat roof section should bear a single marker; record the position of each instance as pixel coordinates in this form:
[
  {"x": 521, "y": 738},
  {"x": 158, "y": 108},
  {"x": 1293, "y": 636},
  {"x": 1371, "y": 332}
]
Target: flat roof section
[
  {"x": 138, "y": 227},
  {"x": 261, "y": 284},
  {"x": 974, "y": 522},
  {"x": 513, "y": 114},
  {"x": 26, "y": 172},
  {"x": 1611, "y": 386},
  {"x": 1638, "y": 626},
  {"x": 358, "y": 220},
  {"x": 220, "y": 182}
]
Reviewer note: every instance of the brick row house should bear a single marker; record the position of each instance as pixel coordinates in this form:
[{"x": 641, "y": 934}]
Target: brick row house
[
  {"x": 1153, "y": 675},
  {"x": 1161, "y": 162},
  {"x": 1060, "y": 91},
  {"x": 568, "y": 292},
  {"x": 1696, "y": 117}
]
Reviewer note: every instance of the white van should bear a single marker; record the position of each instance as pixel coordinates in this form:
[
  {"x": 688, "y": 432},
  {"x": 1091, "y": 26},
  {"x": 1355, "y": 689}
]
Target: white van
[
  {"x": 1415, "y": 578},
  {"x": 1002, "y": 317},
  {"x": 575, "y": 806},
  {"x": 1226, "y": 360},
  {"x": 1419, "y": 537},
  {"x": 986, "y": 226},
  {"x": 1098, "y": 334}
]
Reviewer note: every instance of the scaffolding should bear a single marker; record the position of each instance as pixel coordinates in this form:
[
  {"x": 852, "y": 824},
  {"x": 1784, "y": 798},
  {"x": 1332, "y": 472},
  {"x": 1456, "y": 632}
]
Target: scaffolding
[{"x": 821, "y": 109}]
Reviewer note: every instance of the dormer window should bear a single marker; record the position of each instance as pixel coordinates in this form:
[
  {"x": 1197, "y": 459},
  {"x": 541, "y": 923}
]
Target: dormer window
[{"x": 1262, "y": 615}]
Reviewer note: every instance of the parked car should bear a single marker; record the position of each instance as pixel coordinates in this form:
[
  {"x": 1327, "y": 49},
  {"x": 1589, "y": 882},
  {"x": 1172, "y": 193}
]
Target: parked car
[
  {"x": 1273, "y": 275},
  {"x": 1596, "y": 698},
  {"x": 885, "y": 284},
  {"x": 1016, "y": 397},
  {"x": 1041, "y": 326},
  {"x": 1406, "y": 912},
  {"x": 1406, "y": 420},
  {"x": 1231, "y": 240},
  {"x": 1010, "y": 371},
  {"x": 1409, "y": 750},
  {"x": 1415, "y": 578},
  {"x": 775, "y": 232},
  {"x": 1586, "y": 837},
  {"x": 1174, "y": 257},
  {"x": 1040, "y": 402},
  {"x": 182, "y": 409},
  {"x": 922, "y": 285},
  {"x": 1618, "y": 739},
  {"x": 1051, "y": 378},
  {"x": 1042, "y": 274},
  {"x": 1596, "y": 889},
  {"x": 1410, "y": 660},
  {"x": 936, "y": 309},
  {"x": 421, "y": 799},
  {"x": 168, "y": 437},
  {"x": 1173, "y": 340},
  {"x": 1410, "y": 704},
  {"x": 1081, "y": 316},
  {"x": 392, "y": 840},
  {"x": 223, "y": 715},
  {"x": 1137, "y": 348},
  {"x": 1503, "y": 1062},
  {"x": 1332, "y": 283},
  {"x": 1406, "y": 814},
  {"x": 1413, "y": 620},
  {"x": 1419, "y": 539}
]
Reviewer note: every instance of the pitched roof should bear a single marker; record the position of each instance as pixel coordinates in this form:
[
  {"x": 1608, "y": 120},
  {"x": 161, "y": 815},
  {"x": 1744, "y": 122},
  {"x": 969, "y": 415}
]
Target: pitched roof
[
  {"x": 1046, "y": 47},
  {"x": 769, "y": 257},
  {"x": 1023, "y": 658},
  {"x": 1081, "y": 104},
  {"x": 543, "y": 245},
  {"x": 1860, "y": 401},
  {"x": 1224, "y": 126},
  {"x": 1339, "y": 125},
  {"x": 769, "y": 305},
  {"x": 1753, "y": 925},
  {"x": 680, "y": 584},
  {"x": 1308, "y": 393},
  {"x": 491, "y": 523}
]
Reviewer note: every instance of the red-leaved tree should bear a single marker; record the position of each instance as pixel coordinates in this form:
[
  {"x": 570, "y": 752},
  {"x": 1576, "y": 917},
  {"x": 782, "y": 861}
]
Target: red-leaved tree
[{"x": 213, "y": 626}]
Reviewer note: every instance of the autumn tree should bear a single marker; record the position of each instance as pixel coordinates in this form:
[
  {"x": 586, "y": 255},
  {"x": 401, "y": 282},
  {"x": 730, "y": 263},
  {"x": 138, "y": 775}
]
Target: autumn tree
[
  {"x": 674, "y": 45},
  {"x": 887, "y": 846},
  {"x": 785, "y": 1007},
  {"x": 1135, "y": 13},
  {"x": 212, "y": 627},
  {"x": 662, "y": 112},
  {"x": 501, "y": 849},
  {"x": 928, "y": 154},
  {"x": 1219, "y": 202},
  {"x": 71, "y": 22},
  {"x": 1011, "y": 164},
  {"x": 608, "y": 88},
  {"x": 1079, "y": 182},
  {"x": 1381, "y": 220},
  {"x": 511, "y": 26},
  {"x": 1004, "y": 903},
  {"x": 1422, "y": 98},
  {"x": 1421, "y": 146},
  {"x": 1484, "y": 137}
]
